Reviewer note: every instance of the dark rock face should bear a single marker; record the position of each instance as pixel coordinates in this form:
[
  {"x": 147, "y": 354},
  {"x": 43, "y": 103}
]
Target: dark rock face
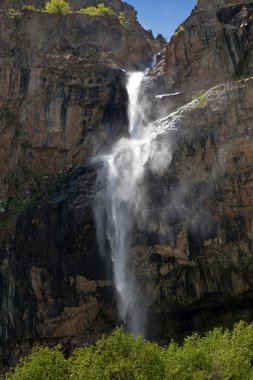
[
  {"x": 54, "y": 284},
  {"x": 196, "y": 258}
]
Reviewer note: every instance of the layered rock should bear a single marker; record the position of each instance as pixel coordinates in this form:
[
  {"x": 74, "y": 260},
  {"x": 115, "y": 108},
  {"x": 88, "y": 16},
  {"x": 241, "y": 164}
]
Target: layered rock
[
  {"x": 212, "y": 46},
  {"x": 60, "y": 78},
  {"x": 62, "y": 99},
  {"x": 54, "y": 284},
  {"x": 194, "y": 253},
  {"x": 62, "y": 85}
]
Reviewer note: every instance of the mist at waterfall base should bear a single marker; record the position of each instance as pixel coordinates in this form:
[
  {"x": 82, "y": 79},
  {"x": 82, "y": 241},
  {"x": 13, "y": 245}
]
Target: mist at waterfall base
[{"x": 120, "y": 206}]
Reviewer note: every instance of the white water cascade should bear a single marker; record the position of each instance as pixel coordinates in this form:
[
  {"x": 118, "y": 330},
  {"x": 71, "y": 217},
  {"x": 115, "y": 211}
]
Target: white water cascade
[{"x": 122, "y": 206}]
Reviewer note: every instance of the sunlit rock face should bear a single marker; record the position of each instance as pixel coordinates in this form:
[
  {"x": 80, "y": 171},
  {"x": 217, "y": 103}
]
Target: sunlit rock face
[
  {"x": 212, "y": 46},
  {"x": 62, "y": 86}
]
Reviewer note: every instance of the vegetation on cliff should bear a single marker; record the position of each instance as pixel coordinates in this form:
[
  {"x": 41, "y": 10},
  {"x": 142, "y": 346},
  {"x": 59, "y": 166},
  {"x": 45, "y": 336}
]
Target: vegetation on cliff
[
  {"x": 100, "y": 10},
  {"x": 103, "y": 11},
  {"x": 219, "y": 354},
  {"x": 57, "y": 6},
  {"x": 62, "y": 7}
]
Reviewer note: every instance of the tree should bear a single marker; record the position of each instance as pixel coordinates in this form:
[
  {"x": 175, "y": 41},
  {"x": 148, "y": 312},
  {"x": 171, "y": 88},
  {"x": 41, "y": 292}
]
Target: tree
[{"x": 57, "y": 6}]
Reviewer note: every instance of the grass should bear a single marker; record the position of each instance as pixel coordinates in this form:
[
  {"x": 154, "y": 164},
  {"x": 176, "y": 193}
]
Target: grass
[{"x": 202, "y": 98}]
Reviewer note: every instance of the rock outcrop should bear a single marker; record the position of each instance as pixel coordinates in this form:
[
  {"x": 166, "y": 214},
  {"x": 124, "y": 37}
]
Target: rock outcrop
[
  {"x": 62, "y": 91},
  {"x": 195, "y": 263},
  {"x": 62, "y": 101},
  {"x": 54, "y": 284},
  {"x": 212, "y": 46}
]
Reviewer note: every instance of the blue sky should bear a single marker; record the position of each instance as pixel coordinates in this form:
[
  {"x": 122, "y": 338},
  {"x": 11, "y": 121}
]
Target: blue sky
[{"x": 162, "y": 16}]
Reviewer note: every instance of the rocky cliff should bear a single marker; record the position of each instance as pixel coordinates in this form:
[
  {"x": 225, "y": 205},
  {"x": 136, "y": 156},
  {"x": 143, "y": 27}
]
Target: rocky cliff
[
  {"x": 62, "y": 100},
  {"x": 75, "y": 5}
]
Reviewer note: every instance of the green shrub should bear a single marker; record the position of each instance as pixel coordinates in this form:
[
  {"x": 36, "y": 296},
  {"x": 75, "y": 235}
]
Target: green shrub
[
  {"x": 43, "y": 364},
  {"x": 119, "y": 357},
  {"x": 179, "y": 30},
  {"x": 13, "y": 12},
  {"x": 57, "y": 6},
  {"x": 224, "y": 355},
  {"x": 100, "y": 10},
  {"x": 202, "y": 98},
  {"x": 28, "y": 8},
  {"x": 123, "y": 22},
  {"x": 218, "y": 355}
]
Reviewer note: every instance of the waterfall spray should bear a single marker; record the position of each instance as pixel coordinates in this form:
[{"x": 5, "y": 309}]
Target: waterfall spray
[
  {"x": 122, "y": 204},
  {"x": 116, "y": 214}
]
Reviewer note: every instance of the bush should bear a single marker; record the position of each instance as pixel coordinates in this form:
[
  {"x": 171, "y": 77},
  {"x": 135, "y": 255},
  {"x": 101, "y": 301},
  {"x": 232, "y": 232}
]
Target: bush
[
  {"x": 28, "y": 8},
  {"x": 13, "y": 12},
  {"x": 218, "y": 355},
  {"x": 57, "y": 6},
  {"x": 122, "y": 20},
  {"x": 119, "y": 357},
  {"x": 100, "y": 10},
  {"x": 224, "y": 355},
  {"x": 43, "y": 364}
]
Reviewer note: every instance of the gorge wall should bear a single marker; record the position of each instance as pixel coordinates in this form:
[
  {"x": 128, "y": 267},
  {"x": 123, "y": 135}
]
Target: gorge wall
[{"x": 62, "y": 101}]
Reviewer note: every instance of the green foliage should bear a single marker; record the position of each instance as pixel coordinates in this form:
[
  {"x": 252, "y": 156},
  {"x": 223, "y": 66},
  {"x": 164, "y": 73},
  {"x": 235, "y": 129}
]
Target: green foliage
[
  {"x": 119, "y": 357},
  {"x": 123, "y": 22},
  {"x": 225, "y": 355},
  {"x": 43, "y": 364},
  {"x": 179, "y": 30},
  {"x": 100, "y": 10},
  {"x": 28, "y": 8},
  {"x": 202, "y": 98},
  {"x": 218, "y": 355},
  {"x": 57, "y": 6},
  {"x": 13, "y": 12}
]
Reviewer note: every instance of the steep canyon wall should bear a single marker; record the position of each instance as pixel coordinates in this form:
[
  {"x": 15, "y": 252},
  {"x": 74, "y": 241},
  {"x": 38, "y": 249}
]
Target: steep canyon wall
[{"x": 63, "y": 99}]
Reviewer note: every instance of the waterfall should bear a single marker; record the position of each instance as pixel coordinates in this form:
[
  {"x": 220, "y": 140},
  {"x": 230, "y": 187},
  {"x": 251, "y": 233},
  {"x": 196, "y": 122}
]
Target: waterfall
[
  {"x": 121, "y": 204},
  {"x": 135, "y": 110}
]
